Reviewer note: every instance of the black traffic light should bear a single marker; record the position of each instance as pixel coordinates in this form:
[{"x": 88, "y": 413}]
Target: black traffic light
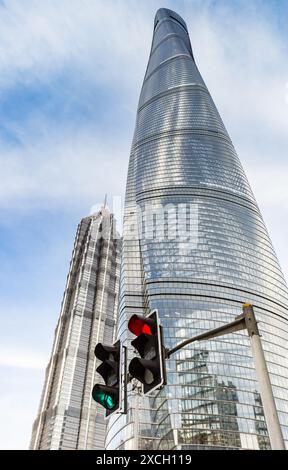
[
  {"x": 109, "y": 395},
  {"x": 150, "y": 368}
]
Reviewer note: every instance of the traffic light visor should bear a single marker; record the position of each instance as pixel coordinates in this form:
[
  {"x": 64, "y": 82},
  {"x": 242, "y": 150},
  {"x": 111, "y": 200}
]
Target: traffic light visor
[
  {"x": 144, "y": 370},
  {"x": 104, "y": 351}
]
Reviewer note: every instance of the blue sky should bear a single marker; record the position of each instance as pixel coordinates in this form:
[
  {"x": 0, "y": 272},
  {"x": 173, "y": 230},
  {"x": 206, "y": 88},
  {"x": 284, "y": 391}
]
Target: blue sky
[{"x": 70, "y": 79}]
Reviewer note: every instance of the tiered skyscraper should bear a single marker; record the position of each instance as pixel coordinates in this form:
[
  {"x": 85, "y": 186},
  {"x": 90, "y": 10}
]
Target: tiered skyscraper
[
  {"x": 68, "y": 417},
  {"x": 184, "y": 171}
]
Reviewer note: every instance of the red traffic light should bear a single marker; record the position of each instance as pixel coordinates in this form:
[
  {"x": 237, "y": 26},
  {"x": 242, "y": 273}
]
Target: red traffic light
[
  {"x": 139, "y": 325},
  {"x": 149, "y": 368}
]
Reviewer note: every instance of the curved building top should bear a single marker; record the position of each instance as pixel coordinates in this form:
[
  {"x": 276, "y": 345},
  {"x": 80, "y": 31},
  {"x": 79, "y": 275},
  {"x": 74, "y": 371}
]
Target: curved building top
[{"x": 164, "y": 13}]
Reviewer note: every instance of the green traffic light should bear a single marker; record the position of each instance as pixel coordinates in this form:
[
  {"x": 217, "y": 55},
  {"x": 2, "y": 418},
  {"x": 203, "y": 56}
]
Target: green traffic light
[{"x": 104, "y": 399}]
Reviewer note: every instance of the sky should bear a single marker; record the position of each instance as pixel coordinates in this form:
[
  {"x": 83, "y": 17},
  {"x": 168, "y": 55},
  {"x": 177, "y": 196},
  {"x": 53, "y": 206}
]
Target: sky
[{"x": 70, "y": 78}]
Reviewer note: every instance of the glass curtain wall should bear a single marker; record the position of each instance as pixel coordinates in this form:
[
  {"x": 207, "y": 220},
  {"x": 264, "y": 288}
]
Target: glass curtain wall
[{"x": 196, "y": 248}]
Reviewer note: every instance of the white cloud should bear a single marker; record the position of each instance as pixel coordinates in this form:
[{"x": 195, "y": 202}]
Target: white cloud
[
  {"x": 270, "y": 182},
  {"x": 103, "y": 40},
  {"x": 244, "y": 65},
  {"x": 243, "y": 62},
  {"x": 61, "y": 171},
  {"x": 19, "y": 400},
  {"x": 21, "y": 359}
]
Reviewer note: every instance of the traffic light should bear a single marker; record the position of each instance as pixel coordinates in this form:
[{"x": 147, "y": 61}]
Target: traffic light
[
  {"x": 109, "y": 395},
  {"x": 150, "y": 368}
]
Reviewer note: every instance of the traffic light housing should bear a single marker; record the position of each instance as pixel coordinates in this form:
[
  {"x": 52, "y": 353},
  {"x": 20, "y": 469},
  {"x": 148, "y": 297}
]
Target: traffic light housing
[
  {"x": 149, "y": 369},
  {"x": 110, "y": 394}
]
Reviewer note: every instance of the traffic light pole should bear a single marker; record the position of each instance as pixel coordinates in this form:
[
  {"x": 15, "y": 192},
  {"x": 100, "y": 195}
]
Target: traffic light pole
[
  {"x": 248, "y": 321},
  {"x": 124, "y": 381},
  {"x": 138, "y": 392},
  {"x": 266, "y": 392}
]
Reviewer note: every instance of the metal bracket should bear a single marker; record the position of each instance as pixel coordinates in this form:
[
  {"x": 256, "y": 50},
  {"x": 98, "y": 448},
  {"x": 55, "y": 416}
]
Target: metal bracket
[{"x": 250, "y": 320}]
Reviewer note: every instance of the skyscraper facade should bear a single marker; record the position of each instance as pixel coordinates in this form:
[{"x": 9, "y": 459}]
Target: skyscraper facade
[
  {"x": 68, "y": 417},
  {"x": 196, "y": 248}
]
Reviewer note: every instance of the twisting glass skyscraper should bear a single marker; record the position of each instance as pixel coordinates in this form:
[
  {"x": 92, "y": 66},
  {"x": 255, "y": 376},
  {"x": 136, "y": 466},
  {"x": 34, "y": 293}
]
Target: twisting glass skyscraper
[
  {"x": 68, "y": 418},
  {"x": 184, "y": 171}
]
